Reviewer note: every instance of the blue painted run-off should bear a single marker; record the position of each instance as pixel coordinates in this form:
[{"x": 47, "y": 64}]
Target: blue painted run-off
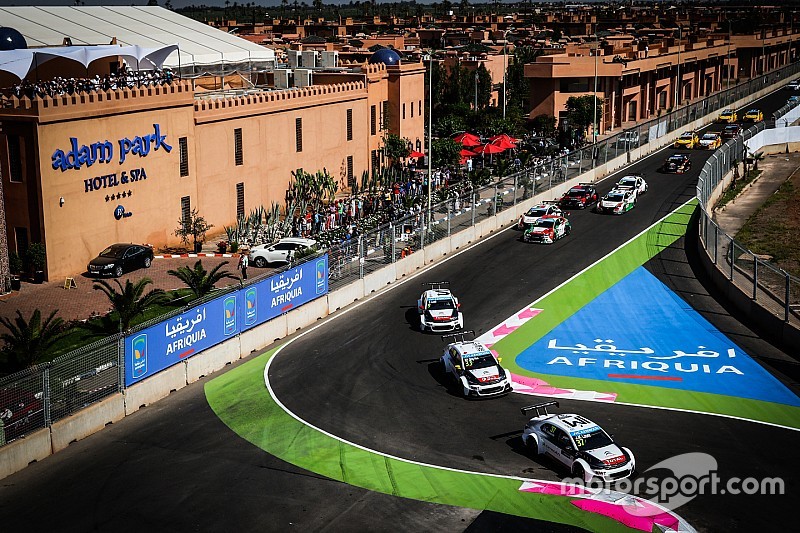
[{"x": 639, "y": 331}]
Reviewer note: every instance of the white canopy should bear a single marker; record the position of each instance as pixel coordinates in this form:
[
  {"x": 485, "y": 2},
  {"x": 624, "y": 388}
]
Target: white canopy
[
  {"x": 150, "y": 27},
  {"x": 21, "y": 62}
]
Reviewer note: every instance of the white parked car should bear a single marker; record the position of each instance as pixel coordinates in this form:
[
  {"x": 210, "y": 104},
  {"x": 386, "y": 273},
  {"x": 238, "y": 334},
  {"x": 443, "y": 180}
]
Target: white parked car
[
  {"x": 577, "y": 443},
  {"x": 794, "y": 85},
  {"x": 628, "y": 139},
  {"x": 473, "y": 370},
  {"x": 438, "y": 309},
  {"x": 633, "y": 181},
  {"x": 282, "y": 251}
]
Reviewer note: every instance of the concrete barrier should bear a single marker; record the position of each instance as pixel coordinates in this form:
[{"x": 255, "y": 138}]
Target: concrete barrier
[
  {"x": 16, "y": 455},
  {"x": 462, "y": 238},
  {"x": 212, "y": 359},
  {"x": 87, "y": 421},
  {"x": 262, "y": 335},
  {"x": 344, "y": 296},
  {"x": 485, "y": 227},
  {"x": 306, "y": 315},
  {"x": 154, "y": 388},
  {"x": 409, "y": 264},
  {"x": 436, "y": 250},
  {"x": 377, "y": 280}
]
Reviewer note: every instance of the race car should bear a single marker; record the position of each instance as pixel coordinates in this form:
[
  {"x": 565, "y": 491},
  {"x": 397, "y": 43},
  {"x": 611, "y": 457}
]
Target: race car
[
  {"x": 537, "y": 211},
  {"x": 438, "y": 309},
  {"x": 547, "y": 229},
  {"x": 633, "y": 181},
  {"x": 710, "y": 141},
  {"x": 728, "y": 115},
  {"x": 678, "y": 164},
  {"x": 793, "y": 100},
  {"x": 731, "y": 131},
  {"x": 794, "y": 85},
  {"x": 617, "y": 201},
  {"x": 754, "y": 115},
  {"x": 687, "y": 140},
  {"x": 577, "y": 443},
  {"x": 472, "y": 369},
  {"x": 581, "y": 196}
]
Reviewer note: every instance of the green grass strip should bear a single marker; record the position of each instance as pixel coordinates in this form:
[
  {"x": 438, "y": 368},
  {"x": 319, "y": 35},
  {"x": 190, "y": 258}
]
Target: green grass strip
[
  {"x": 562, "y": 303},
  {"x": 241, "y": 400}
]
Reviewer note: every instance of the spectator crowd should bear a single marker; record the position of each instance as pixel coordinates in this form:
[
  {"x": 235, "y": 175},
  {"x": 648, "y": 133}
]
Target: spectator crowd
[{"x": 60, "y": 86}]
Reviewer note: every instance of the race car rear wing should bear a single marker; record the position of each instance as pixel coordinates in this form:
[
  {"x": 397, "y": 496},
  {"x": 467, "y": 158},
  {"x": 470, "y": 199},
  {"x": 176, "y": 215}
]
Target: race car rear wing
[
  {"x": 459, "y": 336},
  {"x": 585, "y": 183},
  {"x": 437, "y": 284},
  {"x": 540, "y": 408}
]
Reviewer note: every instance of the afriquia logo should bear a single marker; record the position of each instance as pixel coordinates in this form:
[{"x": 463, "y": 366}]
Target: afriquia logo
[
  {"x": 250, "y": 307},
  {"x": 139, "y": 349},
  {"x": 229, "y": 307},
  {"x": 321, "y": 277},
  {"x": 185, "y": 331},
  {"x": 78, "y": 156},
  {"x": 678, "y": 480}
]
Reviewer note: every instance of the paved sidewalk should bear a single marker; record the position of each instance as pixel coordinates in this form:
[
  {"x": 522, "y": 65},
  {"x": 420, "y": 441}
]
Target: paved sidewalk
[{"x": 80, "y": 303}]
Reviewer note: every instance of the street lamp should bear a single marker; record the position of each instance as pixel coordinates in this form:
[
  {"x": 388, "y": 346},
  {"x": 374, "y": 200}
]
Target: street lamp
[
  {"x": 594, "y": 119},
  {"x": 430, "y": 144},
  {"x": 678, "y": 81},
  {"x": 505, "y": 52}
]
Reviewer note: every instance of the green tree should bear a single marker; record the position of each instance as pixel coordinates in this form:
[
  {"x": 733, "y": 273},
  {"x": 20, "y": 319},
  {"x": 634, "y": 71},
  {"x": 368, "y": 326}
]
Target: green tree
[
  {"x": 395, "y": 147},
  {"x": 518, "y": 85},
  {"x": 199, "y": 280},
  {"x": 544, "y": 125},
  {"x": 446, "y": 152},
  {"x": 130, "y": 301},
  {"x": 28, "y": 341},
  {"x": 450, "y": 124},
  {"x": 581, "y": 111}
]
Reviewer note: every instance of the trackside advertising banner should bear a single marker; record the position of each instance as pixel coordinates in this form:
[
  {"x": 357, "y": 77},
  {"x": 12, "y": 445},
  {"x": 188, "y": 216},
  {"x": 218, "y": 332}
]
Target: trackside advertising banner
[{"x": 160, "y": 346}]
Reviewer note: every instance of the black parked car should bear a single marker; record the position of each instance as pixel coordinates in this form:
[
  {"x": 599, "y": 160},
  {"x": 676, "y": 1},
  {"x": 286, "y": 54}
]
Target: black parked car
[{"x": 119, "y": 258}]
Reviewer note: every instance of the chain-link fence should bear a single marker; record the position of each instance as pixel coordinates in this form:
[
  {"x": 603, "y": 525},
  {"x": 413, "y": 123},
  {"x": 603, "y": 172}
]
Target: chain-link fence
[
  {"x": 40, "y": 395},
  {"x": 770, "y": 286}
]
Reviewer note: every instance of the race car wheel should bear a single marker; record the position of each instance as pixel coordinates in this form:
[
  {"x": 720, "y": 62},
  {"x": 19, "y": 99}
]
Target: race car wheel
[
  {"x": 578, "y": 471},
  {"x": 532, "y": 446}
]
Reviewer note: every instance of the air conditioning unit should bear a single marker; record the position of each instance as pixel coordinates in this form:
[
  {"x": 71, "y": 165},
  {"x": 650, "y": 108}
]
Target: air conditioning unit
[
  {"x": 283, "y": 78},
  {"x": 309, "y": 59},
  {"x": 302, "y": 77},
  {"x": 329, "y": 59},
  {"x": 294, "y": 58}
]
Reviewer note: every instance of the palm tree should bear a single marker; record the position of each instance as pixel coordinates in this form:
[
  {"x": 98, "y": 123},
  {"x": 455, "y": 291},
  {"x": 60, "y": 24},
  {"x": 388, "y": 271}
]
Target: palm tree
[
  {"x": 199, "y": 280},
  {"x": 28, "y": 341},
  {"x": 130, "y": 301}
]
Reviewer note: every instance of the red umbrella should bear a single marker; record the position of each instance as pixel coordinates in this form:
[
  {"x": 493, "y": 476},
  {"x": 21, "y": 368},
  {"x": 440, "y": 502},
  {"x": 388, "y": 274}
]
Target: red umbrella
[
  {"x": 504, "y": 141},
  {"x": 414, "y": 153},
  {"x": 504, "y": 136},
  {"x": 488, "y": 148},
  {"x": 466, "y": 153},
  {"x": 467, "y": 139}
]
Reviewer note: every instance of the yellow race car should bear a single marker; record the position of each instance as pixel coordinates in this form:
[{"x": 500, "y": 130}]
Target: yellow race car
[
  {"x": 754, "y": 115},
  {"x": 710, "y": 141},
  {"x": 728, "y": 115},
  {"x": 687, "y": 140}
]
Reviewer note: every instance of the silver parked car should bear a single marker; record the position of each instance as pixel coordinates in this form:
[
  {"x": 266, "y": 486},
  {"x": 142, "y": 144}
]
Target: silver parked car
[{"x": 282, "y": 251}]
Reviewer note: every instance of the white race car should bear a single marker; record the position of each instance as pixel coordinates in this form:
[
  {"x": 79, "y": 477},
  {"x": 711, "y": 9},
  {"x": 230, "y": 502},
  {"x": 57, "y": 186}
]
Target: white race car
[
  {"x": 617, "y": 201},
  {"x": 473, "y": 370},
  {"x": 538, "y": 211},
  {"x": 633, "y": 181},
  {"x": 438, "y": 309},
  {"x": 578, "y": 443}
]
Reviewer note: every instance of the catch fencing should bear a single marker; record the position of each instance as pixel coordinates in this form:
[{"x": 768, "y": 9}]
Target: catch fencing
[{"x": 46, "y": 393}]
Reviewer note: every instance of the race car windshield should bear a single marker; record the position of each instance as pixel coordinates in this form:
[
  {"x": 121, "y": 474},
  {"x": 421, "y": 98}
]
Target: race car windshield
[
  {"x": 479, "y": 361},
  {"x": 576, "y": 193},
  {"x": 709, "y": 137},
  {"x": 536, "y": 212},
  {"x": 545, "y": 224},
  {"x": 731, "y": 128},
  {"x": 678, "y": 159},
  {"x": 627, "y": 182},
  {"x": 614, "y": 197},
  {"x": 440, "y": 305},
  {"x": 687, "y": 136},
  {"x": 592, "y": 440}
]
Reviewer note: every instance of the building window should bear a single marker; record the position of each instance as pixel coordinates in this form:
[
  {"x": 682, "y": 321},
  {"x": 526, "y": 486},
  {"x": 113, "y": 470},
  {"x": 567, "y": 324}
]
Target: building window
[
  {"x": 375, "y": 161},
  {"x": 385, "y": 118},
  {"x": 373, "y": 120},
  {"x": 412, "y": 109},
  {"x": 662, "y": 99},
  {"x": 404, "y": 111},
  {"x": 419, "y": 108},
  {"x": 237, "y": 147},
  {"x": 239, "y": 200},
  {"x": 186, "y": 209},
  {"x": 184, "y": 150},
  {"x": 349, "y": 124},
  {"x": 351, "y": 179},
  {"x": 298, "y": 134},
  {"x": 14, "y": 159}
]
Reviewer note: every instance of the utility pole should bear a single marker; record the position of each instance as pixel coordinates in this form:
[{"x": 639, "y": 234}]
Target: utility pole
[
  {"x": 430, "y": 145},
  {"x": 594, "y": 119},
  {"x": 505, "y": 51}
]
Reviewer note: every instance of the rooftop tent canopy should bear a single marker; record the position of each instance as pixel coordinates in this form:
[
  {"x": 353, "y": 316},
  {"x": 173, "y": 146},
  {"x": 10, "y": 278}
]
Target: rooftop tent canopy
[{"x": 21, "y": 62}]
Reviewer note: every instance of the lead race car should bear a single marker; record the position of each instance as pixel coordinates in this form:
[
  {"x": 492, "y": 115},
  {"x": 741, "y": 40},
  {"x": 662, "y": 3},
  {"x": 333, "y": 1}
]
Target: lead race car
[
  {"x": 547, "y": 229},
  {"x": 472, "y": 369},
  {"x": 577, "y": 443},
  {"x": 438, "y": 309}
]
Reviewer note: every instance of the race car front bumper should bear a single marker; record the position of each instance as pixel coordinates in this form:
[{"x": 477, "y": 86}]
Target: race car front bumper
[
  {"x": 451, "y": 325},
  {"x": 487, "y": 391},
  {"x": 613, "y": 474}
]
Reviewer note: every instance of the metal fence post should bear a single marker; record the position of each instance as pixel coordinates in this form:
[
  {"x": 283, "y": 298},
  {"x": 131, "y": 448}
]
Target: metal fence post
[
  {"x": 474, "y": 207},
  {"x": 121, "y": 363},
  {"x": 391, "y": 230},
  {"x": 786, "y": 298},
  {"x": 515, "y": 188},
  {"x": 716, "y": 242},
  {"x": 361, "y": 254},
  {"x": 47, "y": 397},
  {"x": 755, "y": 278},
  {"x": 448, "y": 218},
  {"x": 732, "y": 252},
  {"x": 494, "y": 199}
]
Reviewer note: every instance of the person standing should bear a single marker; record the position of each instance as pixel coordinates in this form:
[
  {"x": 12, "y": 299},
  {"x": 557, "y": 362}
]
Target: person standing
[{"x": 244, "y": 260}]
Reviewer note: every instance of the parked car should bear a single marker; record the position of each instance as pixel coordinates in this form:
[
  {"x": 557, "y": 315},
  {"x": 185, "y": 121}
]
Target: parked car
[
  {"x": 21, "y": 412},
  {"x": 282, "y": 251},
  {"x": 731, "y": 131},
  {"x": 628, "y": 139},
  {"x": 120, "y": 258}
]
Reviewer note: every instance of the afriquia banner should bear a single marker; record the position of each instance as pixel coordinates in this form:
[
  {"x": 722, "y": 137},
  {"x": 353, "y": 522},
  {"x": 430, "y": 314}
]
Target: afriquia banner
[{"x": 169, "y": 342}]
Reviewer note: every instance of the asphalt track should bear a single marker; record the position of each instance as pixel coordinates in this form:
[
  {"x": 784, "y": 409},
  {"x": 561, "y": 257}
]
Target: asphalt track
[{"x": 370, "y": 378}]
